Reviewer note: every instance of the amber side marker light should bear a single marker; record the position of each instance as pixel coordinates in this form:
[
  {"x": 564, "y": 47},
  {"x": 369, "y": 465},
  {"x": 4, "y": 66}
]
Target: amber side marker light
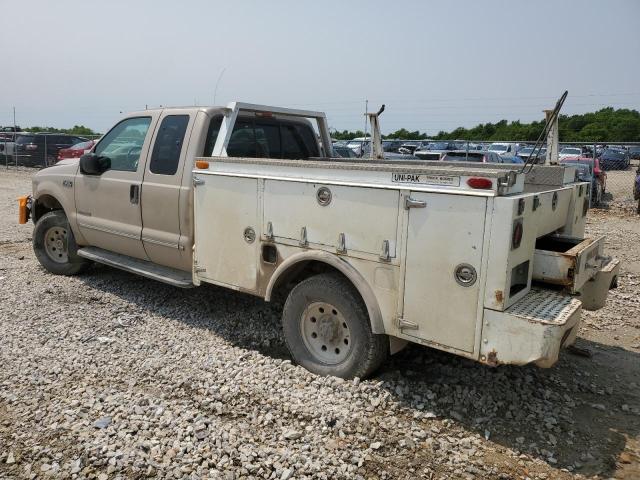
[
  {"x": 480, "y": 183},
  {"x": 22, "y": 209},
  {"x": 202, "y": 164}
]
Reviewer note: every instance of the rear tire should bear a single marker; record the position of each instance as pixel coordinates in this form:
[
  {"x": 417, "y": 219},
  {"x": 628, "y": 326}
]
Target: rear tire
[
  {"x": 55, "y": 246},
  {"x": 327, "y": 329}
]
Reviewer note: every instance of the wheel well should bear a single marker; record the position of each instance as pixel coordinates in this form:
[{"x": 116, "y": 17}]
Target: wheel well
[
  {"x": 299, "y": 272},
  {"x": 45, "y": 204}
]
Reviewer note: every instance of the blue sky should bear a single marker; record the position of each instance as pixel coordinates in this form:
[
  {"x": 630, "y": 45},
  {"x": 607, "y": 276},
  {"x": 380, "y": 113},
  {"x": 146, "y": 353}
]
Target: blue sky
[{"x": 436, "y": 65}]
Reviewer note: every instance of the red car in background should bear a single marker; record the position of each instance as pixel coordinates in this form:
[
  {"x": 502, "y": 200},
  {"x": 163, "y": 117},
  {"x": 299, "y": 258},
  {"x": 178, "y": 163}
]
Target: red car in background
[
  {"x": 77, "y": 150},
  {"x": 590, "y": 171}
]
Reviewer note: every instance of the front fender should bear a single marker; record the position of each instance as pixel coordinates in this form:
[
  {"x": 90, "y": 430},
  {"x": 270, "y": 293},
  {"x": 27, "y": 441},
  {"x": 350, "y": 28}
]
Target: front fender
[
  {"x": 57, "y": 184},
  {"x": 340, "y": 264}
]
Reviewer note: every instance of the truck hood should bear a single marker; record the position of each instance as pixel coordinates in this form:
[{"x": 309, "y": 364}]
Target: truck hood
[
  {"x": 68, "y": 161},
  {"x": 66, "y": 168}
]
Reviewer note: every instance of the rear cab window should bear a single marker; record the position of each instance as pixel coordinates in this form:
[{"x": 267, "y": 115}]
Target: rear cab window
[{"x": 265, "y": 138}]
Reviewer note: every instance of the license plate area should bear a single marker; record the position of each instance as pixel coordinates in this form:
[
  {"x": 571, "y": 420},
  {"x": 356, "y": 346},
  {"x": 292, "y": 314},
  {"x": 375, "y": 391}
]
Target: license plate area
[{"x": 567, "y": 261}]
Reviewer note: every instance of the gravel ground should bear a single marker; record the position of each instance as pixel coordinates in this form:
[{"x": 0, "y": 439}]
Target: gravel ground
[{"x": 107, "y": 375}]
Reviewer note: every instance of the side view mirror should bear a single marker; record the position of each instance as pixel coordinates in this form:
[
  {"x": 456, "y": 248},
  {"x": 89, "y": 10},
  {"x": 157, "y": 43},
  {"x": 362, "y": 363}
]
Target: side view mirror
[{"x": 92, "y": 164}]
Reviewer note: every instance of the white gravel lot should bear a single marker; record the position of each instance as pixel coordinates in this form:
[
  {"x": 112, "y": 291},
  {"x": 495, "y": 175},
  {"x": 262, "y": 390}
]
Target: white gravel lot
[{"x": 108, "y": 375}]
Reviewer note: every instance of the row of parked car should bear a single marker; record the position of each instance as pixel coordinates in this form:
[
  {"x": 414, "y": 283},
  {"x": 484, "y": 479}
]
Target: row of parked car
[
  {"x": 41, "y": 149},
  {"x": 590, "y": 168},
  {"x": 611, "y": 157}
]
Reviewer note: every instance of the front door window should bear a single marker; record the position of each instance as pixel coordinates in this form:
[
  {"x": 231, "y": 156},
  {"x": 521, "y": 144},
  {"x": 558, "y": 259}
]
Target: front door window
[{"x": 123, "y": 144}]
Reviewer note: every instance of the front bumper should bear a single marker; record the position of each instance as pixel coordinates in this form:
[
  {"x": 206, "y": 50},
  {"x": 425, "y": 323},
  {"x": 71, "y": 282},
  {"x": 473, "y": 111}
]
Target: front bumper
[{"x": 533, "y": 330}]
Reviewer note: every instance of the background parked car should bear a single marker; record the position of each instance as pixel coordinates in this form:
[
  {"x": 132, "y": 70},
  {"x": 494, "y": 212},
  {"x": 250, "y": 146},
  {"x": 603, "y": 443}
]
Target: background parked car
[
  {"x": 342, "y": 151},
  {"x": 434, "y": 150},
  {"x": 590, "y": 171},
  {"x": 566, "y": 152},
  {"x": 539, "y": 156},
  {"x": 410, "y": 146},
  {"x": 30, "y": 147},
  {"x": 359, "y": 145},
  {"x": 614, "y": 159},
  {"x": 77, "y": 150},
  {"x": 634, "y": 152},
  {"x": 7, "y": 139},
  {"x": 391, "y": 145},
  {"x": 506, "y": 149},
  {"x": 473, "y": 156}
]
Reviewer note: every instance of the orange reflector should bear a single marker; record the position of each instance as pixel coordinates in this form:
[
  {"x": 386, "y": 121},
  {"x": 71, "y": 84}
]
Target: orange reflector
[
  {"x": 480, "y": 183},
  {"x": 202, "y": 164},
  {"x": 23, "y": 214},
  {"x": 264, "y": 114}
]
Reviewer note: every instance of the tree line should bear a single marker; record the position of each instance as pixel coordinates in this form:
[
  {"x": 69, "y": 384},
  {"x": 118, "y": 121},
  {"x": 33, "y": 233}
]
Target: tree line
[
  {"x": 76, "y": 130},
  {"x": 605, "y": 125}
]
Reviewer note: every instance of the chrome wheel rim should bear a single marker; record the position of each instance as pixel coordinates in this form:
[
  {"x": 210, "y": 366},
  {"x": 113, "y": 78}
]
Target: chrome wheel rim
[
  {"x": 55, "y": 244},
  {"x": 325, "y": 332}
]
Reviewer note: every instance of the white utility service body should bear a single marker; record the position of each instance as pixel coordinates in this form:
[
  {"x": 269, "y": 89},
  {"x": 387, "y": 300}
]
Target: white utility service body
[{"x": 445, "y": 255}]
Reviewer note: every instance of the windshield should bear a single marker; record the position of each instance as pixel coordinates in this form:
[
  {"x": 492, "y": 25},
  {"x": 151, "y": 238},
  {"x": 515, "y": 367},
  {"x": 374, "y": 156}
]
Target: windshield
[
  {"x": 438, "y": 146},
  {"x": 462, "y": 157},
  {"x": 497, "y": 147},
  {"x": 612, "y": 154},
  {"x": 572, "y": 151},
  {"x": 81, "y": 146},
  {"x": 23, "y": 139}
]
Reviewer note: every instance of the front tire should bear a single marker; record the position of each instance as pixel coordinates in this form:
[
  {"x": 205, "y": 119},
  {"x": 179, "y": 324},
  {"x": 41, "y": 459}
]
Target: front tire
[
  {"x": 327, "y": 329},
  {"x": 55, "y": 247}
]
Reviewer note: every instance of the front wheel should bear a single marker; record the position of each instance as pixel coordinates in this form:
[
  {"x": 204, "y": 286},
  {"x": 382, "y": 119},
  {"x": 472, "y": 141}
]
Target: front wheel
[
  {"x": 55, "y": 246},
  {"x": 327, "y": 330}
]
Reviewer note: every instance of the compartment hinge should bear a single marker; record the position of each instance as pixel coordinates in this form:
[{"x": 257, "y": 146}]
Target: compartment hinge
[{"x": 411, "y": 203}]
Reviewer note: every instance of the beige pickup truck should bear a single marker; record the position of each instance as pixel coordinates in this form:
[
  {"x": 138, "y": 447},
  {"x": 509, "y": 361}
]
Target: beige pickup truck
[{"x": 485, "y": 261}]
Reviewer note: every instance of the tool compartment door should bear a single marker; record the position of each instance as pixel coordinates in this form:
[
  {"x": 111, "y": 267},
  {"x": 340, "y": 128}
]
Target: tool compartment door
[
  {"x": 226, "y": 207},
  {"x": 445, "y": 234}
]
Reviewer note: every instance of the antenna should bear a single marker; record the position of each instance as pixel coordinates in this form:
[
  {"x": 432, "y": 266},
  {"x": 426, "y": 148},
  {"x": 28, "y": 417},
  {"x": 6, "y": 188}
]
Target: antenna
[{"x": 215, "y": 91}]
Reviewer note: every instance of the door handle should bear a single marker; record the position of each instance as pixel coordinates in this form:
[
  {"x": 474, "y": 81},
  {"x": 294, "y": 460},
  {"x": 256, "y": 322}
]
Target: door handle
[
  {"x": 411, "y": 203},
  {"x": 134, "y": 194}
]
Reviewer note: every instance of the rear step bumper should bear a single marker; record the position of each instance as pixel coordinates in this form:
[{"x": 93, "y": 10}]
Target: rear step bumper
[
  {"x": 533, "y": 330},
  {"x": 172, "y": 276}
]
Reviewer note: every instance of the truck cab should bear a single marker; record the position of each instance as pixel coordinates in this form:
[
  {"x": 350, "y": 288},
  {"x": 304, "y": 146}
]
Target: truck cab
[{"x": 141, "y": 206}]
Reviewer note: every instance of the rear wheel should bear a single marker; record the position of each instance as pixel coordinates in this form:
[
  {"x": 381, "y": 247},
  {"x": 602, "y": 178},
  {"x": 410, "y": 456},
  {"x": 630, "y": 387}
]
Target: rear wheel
[
  {"x": 327, "y": 330},
  {"x": 55, "y": 246}
]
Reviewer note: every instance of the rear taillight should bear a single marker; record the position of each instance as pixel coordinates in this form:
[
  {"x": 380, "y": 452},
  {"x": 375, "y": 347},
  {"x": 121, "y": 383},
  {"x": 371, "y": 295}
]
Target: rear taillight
[{"x": 480, "y": 183}]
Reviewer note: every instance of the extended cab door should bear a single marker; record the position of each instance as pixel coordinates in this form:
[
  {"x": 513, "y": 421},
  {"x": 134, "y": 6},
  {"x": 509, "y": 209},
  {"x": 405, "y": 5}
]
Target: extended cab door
[
  {"x": 108, "y": 205},
  {"x": 161, "y": 189}
]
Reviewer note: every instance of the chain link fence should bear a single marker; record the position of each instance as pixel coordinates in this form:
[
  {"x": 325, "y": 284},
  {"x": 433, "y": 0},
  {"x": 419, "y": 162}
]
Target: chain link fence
[
  {"x": 42, "y": 149},
  {"x": 612, "y": 175}
]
